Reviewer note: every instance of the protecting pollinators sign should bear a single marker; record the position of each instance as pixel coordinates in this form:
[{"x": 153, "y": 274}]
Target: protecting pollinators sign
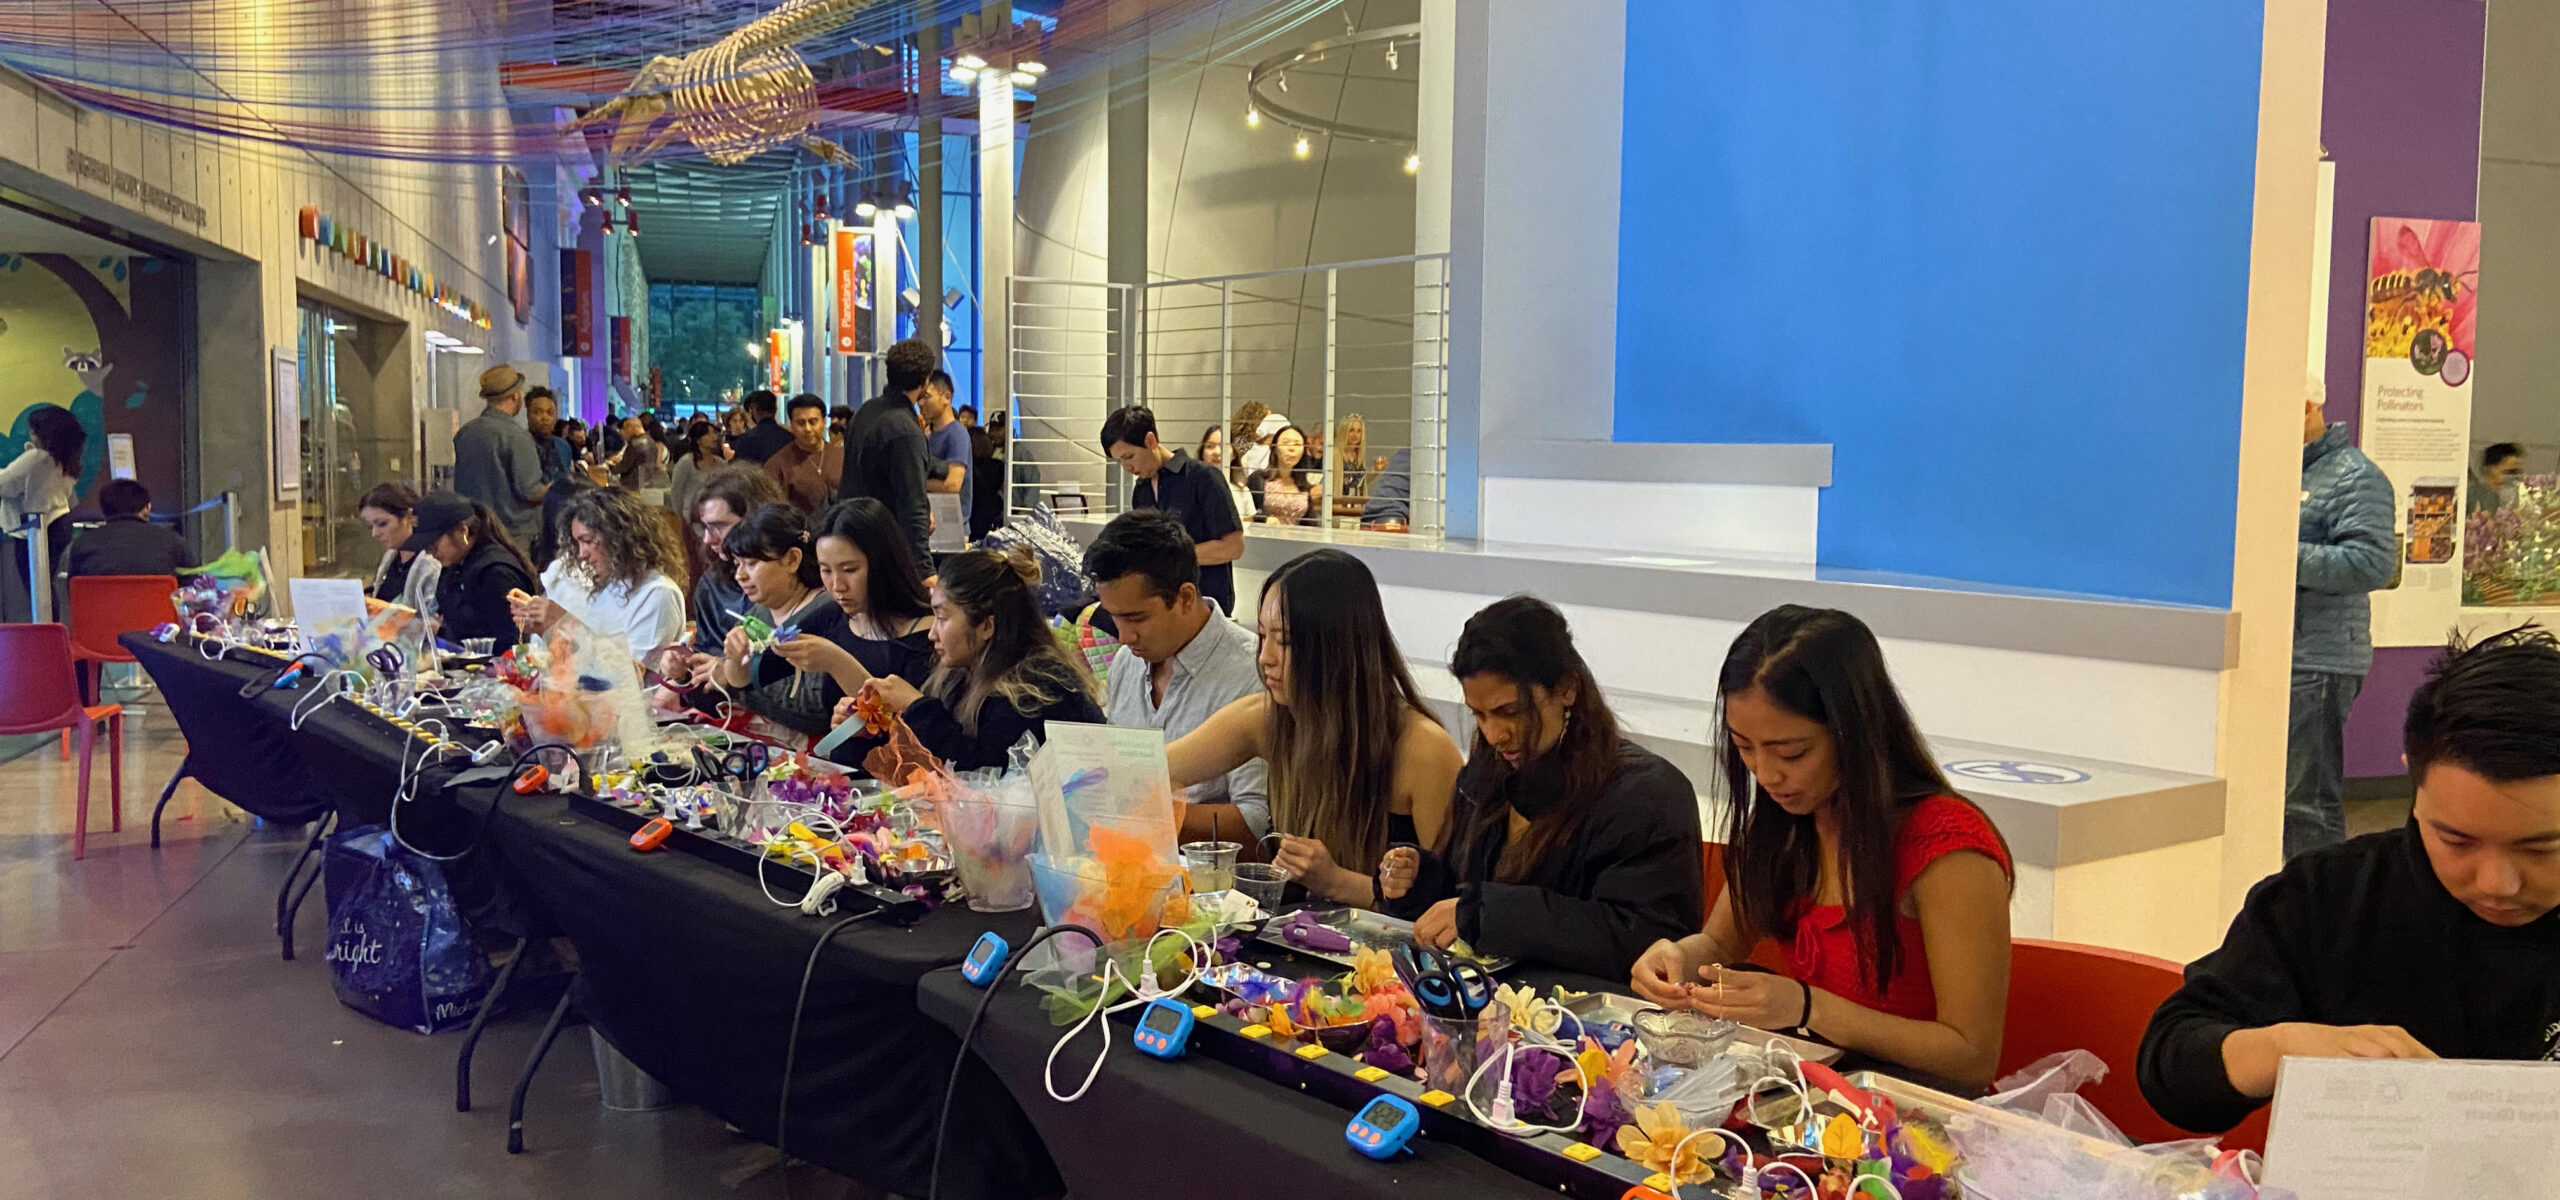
[{"x": 2421, "y": 309}]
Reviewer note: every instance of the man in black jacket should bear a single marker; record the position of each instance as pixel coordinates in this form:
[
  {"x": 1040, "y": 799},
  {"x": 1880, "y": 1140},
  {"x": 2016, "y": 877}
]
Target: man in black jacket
[
  {"x": 128, "y": 543},
  {"x": 2439, "y": 939},
  {"x": 884, "y": 454},
  {"x": 766, "y": 435}
]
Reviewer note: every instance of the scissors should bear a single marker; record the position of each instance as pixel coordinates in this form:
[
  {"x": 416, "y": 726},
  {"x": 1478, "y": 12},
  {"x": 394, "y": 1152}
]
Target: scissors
[
  {"x": 1443, "y": 983},
  {"x": 743, "y": 762},
  {"x": 386, "y": 659}
]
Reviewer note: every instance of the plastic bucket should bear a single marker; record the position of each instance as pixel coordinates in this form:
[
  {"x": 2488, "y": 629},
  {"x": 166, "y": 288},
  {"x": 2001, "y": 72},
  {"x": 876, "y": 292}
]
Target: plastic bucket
[
  {"x": 623, "y": 1086},
  {"x": 990, "y": 842}
]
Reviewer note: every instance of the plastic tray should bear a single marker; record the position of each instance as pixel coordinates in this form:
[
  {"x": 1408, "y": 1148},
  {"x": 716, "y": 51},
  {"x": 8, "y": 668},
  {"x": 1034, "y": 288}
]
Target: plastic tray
[
  {"x": 1609, "y": 1006},
  {"x": 1375, "y": 931}
]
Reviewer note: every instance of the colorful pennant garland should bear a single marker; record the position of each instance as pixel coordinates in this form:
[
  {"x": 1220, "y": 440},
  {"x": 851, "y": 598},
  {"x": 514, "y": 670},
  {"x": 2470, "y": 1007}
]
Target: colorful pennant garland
[{"x": 333, "y": 235}]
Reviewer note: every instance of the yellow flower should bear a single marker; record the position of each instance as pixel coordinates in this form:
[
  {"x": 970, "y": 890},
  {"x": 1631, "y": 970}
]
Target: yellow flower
[
  {"x": 1372, "y": 970},
  {"x": 1592, "y": 1064},
  {"x": 1657, "y": 1134},
  {"x": 1842, "y": 1138}
]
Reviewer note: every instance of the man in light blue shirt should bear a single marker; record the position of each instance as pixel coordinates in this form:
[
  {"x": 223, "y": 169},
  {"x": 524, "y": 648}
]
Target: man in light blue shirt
[{"x": 1180, "y": 660}]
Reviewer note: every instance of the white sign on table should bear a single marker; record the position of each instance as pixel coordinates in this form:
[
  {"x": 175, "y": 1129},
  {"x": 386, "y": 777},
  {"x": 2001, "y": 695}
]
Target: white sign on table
[
  {"x": 316, "y": 601},
  {"x": 2402, "y": 1129}
]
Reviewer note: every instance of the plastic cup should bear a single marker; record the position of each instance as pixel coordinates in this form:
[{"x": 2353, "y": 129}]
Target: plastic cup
[
  {"x": 1263, "y": 882},
  {"x": 1453, "y": 1047},
  {"x": 479, "y": 647},
  {"x": 1212, "y": 865}
]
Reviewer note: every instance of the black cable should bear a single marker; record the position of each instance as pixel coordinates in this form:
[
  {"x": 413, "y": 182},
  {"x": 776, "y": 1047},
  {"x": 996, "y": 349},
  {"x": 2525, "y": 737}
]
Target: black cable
[
  {"x": 951, "y": 1087},
  {"x": 791, "y": 1048}
]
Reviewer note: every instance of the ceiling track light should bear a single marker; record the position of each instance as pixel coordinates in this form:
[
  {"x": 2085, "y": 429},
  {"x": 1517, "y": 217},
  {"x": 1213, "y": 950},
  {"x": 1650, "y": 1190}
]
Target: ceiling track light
[
  {"x": 904, "y": 210},
  {"x": 1252, "y": 118},
  {"x": 632, "y": 219},
  {"x": 1413, "y": 164},
  {"x": 1303, "y": 148},
  {"x": 608, "y": 224},
  {"x": 865, "y": 210},
  {"x": 624, "y": 195}
]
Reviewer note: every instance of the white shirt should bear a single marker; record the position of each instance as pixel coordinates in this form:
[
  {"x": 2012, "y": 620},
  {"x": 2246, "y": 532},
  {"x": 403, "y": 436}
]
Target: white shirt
[
  {"x": 645, "y": 617},
  {"x": 1215, "y": 670},
  {"x": 33, "y": 484}
]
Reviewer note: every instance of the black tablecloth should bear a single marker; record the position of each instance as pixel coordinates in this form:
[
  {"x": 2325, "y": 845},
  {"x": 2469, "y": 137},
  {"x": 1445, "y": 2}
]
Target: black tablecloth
[
  {"x": 1190, "y": 1128},
  {"x": 238, "y": 749}
]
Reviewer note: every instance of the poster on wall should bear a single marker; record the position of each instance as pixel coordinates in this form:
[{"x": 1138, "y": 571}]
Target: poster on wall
[
  {"x": 2421, "y": 310},
  {"x": 287, "y": 419}
]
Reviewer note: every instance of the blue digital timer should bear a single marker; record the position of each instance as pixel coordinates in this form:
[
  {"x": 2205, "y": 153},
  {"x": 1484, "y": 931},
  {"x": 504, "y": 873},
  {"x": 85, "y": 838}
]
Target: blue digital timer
[
  {"x": 986, "y": 960},
  {"x": 1384, "y": 1126},
  {"x": 1164, "y": 1029}
]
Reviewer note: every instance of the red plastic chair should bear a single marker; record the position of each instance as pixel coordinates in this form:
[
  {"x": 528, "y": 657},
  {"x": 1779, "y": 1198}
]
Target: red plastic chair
[
  {"x": 105, "y": 606},
  {"x": 2066, "y": 996},
  {"x": 38, "y": 694}
]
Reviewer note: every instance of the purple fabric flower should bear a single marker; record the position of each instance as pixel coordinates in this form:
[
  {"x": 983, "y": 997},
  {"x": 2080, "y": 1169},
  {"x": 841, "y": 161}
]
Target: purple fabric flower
[
  {"x": 1603, "y": 1111},
  {"x": 1385, "y": 1053},
  {"x": 1533, "y": 1080}
]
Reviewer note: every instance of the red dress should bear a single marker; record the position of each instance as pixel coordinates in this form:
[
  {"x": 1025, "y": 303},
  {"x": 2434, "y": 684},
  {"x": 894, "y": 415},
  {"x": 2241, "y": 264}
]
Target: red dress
[{"x": 1824, "y": 951}]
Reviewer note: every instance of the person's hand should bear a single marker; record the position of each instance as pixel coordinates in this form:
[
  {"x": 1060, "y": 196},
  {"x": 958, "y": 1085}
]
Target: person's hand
[
  {"x": 1397, "y": 870},
  {"x": 534, "y": 614},
  {"x": 842, "y": 713},
  {"x": 894, "y": 692},
  {"x": 737, "y": 645},
  {"x": 1754, "y": 998},
  {"x": 705, "y": 666},
  {"x": 1438, "y": 926},
  {"x": 1307, "y": 861},
  {"x": 2251, "y": 1057},
  {"x": 1662, "y": 974},
  {"x": 809, "y": 652}
]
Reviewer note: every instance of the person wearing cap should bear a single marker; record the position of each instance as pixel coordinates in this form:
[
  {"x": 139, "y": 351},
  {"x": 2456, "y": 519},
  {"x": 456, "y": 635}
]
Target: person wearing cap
[
  {"x": 494, "y": 458},
  {"x": 480, "y": 567}
]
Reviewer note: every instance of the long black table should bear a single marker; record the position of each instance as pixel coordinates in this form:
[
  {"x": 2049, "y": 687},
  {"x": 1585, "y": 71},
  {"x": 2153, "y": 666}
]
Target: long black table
[{"x": 684, "y": 965}]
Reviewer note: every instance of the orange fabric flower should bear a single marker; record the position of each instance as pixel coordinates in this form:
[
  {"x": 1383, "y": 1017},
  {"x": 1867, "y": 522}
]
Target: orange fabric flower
[{"x": 1656, "y": 1135}]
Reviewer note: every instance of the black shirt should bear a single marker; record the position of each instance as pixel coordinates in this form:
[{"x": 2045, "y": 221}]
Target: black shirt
[
  {"x": 471, "y": 596},
  {"x": 2361, "y": 933},
  {"x": 884, "y": 458},
  {"x": 1000, "y": 725},
  {"x": 129, "y": 546},
  {"x": 1196, "y": 494},
  {"x": 759, "y": 443}
]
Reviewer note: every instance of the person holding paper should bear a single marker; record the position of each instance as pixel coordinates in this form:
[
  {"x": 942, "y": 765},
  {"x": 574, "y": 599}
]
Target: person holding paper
[
  {"x": 864, "y": 565},
  {"x": 1003, "y": 673},
  {"x": 480, "y": 567},
  {"x": 1358, "y": 761},
  {"x": 620, "y": 577},
  {"x": 1576, "y": 848},
  {"x": 1845, "y": 843},
  {"x": 777, "y": 569},
  {"x": 1180, "y": 660},
  {"x": 2437, "y": 939}
]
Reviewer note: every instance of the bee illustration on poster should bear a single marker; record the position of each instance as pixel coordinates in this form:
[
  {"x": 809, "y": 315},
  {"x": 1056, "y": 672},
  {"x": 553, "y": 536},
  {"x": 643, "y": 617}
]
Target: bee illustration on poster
[{"x": 2421, "y": 313}]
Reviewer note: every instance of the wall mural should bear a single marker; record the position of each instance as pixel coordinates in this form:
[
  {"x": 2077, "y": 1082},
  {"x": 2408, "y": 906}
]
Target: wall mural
[{"x": 98, "y": 336}]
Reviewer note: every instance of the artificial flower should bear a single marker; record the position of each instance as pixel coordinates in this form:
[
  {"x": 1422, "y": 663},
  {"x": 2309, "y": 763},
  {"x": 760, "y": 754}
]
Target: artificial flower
[
  {"x": 1590, "y": 1064},
  {"x": 1842, "y": 1139},
  {"x": 1656, "y": 1137},
  {"x": 1603, "y": 1111},
  {"x": 1384, "y": 1051},
  {"x": 1533, "y": 1080},
  {"x": 1372, "y": 969}
]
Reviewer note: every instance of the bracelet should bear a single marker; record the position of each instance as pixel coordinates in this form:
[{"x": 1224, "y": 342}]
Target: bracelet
[{"x": 1804, "y": 1023}]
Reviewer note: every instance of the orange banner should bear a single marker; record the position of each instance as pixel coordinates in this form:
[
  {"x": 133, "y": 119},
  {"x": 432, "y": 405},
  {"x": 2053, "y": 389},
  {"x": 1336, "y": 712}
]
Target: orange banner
[
  {"x": 848, "y": 294},
  {"x": 777, "y": 364}
]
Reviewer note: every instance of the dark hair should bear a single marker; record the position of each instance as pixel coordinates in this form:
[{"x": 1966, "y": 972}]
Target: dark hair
[
  {"x": 806, "y": 400},
  {"x": 394, "y": 498},
  {"x": 700, "y": 436},
  {"x": 769, "y": 533},
  {"x": 1024, "y": 662},
  {"x": 656, "y": 428},
  {"x": 759, "y": 403},
  {"x": 484, "y": 526},
  {"x": 122, "y": 497},
  {"x": 2489, "y": 707},
  {"x": 893, "y": 586},
  {"x": 746, "y": 489},
  {"x": 1823, "y": 665},
  {"x": 1525, "y": 640},
  {"x": 1201, "y": 451},
  {"x": 839, "y": 413},
  {"x": 2500, "y": 452},
  {"x": 1132, "y": 425},
  {"x": 52, "y": 428},
  {"x": 970, "y": 409},
  {"x": 1333, "y": 744},
  {"x": 636, "y": 537},
  {"x": 539, "y": 392},
  {"x": 942, "y": 379},
  {"x": 1149, "y": 542},
  {"x": 1297, "y": 474},
  {"x": 909, "y": 363}
]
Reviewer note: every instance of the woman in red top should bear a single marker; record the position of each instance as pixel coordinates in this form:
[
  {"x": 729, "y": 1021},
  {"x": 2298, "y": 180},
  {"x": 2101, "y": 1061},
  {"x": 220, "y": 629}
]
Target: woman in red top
[{"x": 1889, "y": 893}]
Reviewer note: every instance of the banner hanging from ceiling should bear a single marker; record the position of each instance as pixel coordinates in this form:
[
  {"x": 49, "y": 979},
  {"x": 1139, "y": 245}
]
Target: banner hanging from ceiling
[{"x": 2421, "y": 310}]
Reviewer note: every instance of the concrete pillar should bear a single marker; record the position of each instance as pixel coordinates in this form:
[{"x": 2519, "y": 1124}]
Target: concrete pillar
[{"x": 995, "y": 240}]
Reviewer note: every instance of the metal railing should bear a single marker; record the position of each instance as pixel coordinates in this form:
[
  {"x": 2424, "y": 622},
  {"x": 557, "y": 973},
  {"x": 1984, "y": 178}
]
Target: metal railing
[
  {"x": 1352, "y": 351},
  {"x": 33, "y": 542}
]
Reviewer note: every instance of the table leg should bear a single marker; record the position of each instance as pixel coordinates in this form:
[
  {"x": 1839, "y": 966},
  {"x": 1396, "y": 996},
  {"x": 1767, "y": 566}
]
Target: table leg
[
  {"x": 288, "y": 900},
  {"x": 524, "y": 1081},
  {"x": 165, "y": 794},
  {"x": 480, "y": 1021}
]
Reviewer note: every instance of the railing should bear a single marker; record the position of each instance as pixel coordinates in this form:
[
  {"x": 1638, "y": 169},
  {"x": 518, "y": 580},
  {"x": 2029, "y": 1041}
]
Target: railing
[
  {"x": 1353, "y": 351},
  {"x": 34, "y": 540}
]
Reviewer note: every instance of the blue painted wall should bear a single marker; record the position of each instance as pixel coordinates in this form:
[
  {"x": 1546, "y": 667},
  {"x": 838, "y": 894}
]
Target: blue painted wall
[{"x": 1996, "y": 254}]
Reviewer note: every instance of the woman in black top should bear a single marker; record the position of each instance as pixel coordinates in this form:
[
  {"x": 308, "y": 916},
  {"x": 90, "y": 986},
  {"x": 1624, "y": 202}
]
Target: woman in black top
[
  {"x": 1003, "y": 672},
  {"x": 777, "y": 570},
  {"x": 481, "y": 565},
  {"x": 864, "y": 564},
  {"x": 1576, "y": 848}
]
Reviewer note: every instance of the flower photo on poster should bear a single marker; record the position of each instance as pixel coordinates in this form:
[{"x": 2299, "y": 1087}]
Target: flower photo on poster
[{"x": 2421, "y": 310}]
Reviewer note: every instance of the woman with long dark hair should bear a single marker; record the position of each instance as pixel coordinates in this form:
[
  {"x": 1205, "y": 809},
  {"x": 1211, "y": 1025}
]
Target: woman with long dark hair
[
  {"x": 41, "y": 482},
  {"x": 479, "y": 567},
  {"x": 405, "y": 576},
  {"x": 864, "y": 563},
  {"x": 1576, "y": 848},
  {"x": 1357, "y": 760},
  {"x": 777, "y": 571},
  {"x": 1286, "y": 490},
  {"x": 1844, "y": 842},
  {"x": 1002, "y": 671}
]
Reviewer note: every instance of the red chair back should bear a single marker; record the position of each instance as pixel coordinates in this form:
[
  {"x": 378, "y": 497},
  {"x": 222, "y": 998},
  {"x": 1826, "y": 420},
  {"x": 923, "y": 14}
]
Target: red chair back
[
  {"x": 2066, "y": 996},
  {"x": 37, "y": 691},
  {"x": 105, "y": 606}
]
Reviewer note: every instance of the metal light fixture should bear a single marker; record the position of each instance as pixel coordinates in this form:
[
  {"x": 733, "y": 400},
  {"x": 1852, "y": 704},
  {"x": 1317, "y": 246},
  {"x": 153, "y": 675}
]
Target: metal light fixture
[
  {"x": 865, "y": 210},
  {"x": 965, "y": 74},
  {"x": 1023, "y": 78},
  {"x": 623, "y": 194},
  {"x": 1303, "y": 148},
  {"x": 970, "y": 62},
  {"x": 1033, "y": 67},
  {"x": 1252, "y": 118},
  {"x": 632, "y": 220},
  {"x": 607, "y": 227},
  {"x": 904, "y": 210}
]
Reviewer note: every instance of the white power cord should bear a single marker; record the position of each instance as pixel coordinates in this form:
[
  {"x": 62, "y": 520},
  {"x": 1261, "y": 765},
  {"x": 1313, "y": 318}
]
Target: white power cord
[
  {"x": 1506, "y": 1119},
  {"x": 1101, "y": 1009}
]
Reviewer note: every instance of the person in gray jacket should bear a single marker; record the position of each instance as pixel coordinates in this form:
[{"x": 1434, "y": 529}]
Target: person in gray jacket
[{"x": 2348, "y": 548}]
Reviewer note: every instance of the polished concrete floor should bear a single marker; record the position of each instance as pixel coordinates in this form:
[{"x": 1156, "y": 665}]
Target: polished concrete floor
[{"x": 154, "y": 1044}]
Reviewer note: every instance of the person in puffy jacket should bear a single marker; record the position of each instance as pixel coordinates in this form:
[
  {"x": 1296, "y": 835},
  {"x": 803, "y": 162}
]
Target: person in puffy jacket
[{"x": 2348, "y": 549}]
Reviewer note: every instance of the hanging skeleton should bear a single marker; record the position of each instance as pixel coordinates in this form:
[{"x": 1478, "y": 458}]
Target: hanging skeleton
[{"x": 736, "y": 98}]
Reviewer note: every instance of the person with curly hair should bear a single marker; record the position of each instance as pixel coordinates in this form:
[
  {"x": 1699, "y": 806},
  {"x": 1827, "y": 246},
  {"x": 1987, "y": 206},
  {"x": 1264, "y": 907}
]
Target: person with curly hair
[{"x": 620, "y": 578}]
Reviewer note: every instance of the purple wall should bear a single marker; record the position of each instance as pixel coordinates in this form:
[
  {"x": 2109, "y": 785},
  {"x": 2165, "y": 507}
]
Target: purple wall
[{"x": 2400, "y": 115}]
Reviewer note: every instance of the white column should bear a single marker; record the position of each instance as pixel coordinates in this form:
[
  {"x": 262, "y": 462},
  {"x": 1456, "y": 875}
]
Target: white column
[
  {"x": 995, "y": 240},
  {"x": 1434, "y": 114},
  {"x": 884, "y": 279}
]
